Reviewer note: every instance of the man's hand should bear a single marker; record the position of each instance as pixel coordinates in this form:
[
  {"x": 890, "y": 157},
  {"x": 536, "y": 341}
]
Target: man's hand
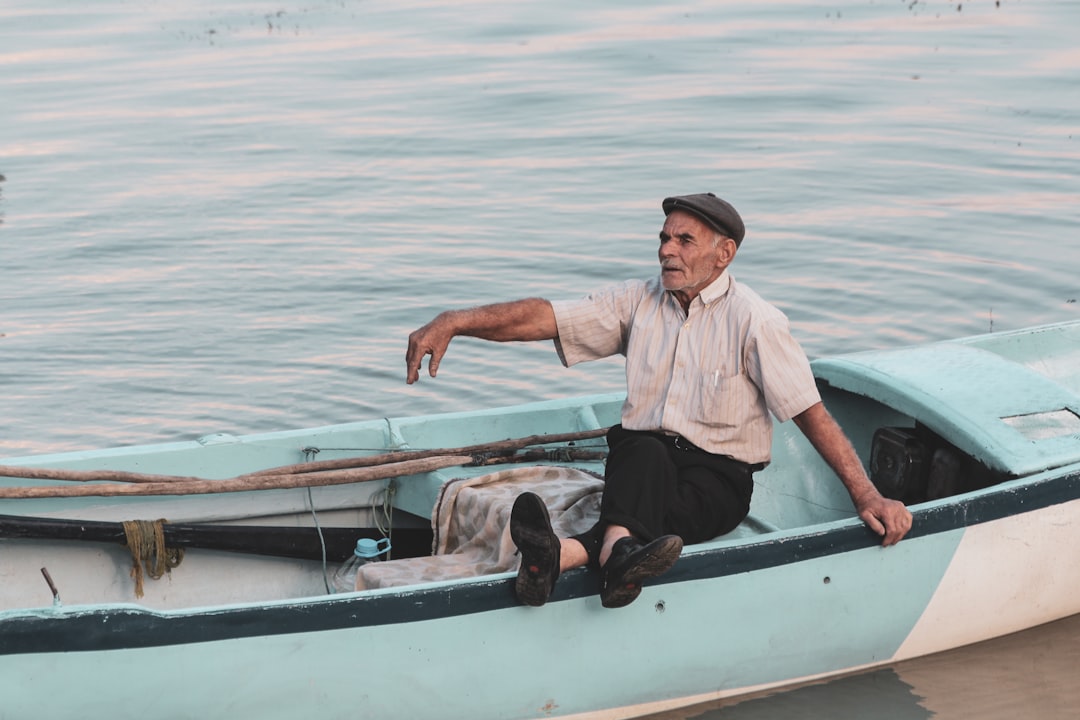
[
  {"x": 888, "y": 518},
  {"x": 432, "y": 339}
]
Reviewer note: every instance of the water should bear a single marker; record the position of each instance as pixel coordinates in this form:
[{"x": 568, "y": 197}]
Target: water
[{"x": 227, "y": 217}]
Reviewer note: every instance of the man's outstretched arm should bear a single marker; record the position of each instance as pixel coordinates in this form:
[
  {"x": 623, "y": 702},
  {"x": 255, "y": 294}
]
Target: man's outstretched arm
[{"x": 519, "y": 320}]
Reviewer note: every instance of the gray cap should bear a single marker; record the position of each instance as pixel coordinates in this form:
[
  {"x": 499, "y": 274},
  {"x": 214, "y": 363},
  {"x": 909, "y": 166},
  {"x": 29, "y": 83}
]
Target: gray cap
[{"x": 717, "y": 214}]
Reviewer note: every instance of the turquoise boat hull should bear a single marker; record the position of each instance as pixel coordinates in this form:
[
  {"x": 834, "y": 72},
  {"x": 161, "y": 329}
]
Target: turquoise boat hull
[{"x": 801, "y": 591}]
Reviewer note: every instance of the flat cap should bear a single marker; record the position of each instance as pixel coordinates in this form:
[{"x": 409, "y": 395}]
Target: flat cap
[{"x": 716, "y": 213}]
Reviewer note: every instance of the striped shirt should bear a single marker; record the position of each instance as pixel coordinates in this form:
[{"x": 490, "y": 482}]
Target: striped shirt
[{"x": 712, "y": 375}]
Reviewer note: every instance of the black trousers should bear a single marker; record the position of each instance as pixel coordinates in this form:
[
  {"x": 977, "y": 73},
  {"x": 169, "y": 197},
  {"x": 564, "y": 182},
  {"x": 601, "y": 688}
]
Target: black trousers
[{"x": 656, "y": 484}]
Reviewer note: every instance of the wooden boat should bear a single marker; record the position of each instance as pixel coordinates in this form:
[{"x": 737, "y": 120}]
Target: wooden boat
[{"x": 981, "y": 436}]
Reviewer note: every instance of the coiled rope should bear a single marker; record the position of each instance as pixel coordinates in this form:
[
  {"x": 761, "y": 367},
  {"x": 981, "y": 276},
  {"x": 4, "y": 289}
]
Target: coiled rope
[{"x": 146, "y": 540}]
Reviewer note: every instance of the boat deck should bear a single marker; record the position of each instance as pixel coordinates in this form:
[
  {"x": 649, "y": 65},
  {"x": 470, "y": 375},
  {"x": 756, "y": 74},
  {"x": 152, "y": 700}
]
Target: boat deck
[{"x": 1011, "y": 401}]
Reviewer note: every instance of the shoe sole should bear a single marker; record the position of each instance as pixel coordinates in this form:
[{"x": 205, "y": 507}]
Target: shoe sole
[
  {"x": 656, "y": 559},
  {"x": 530, "y": 529}
]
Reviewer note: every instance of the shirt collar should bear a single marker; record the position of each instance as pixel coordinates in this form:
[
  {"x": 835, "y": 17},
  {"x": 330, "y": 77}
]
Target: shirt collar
[{"x": 716, "y": 289}]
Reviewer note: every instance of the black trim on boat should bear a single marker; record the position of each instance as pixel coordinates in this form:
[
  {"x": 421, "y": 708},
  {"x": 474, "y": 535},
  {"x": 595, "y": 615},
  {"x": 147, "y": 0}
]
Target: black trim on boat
[{"x": 101, "y": 628}]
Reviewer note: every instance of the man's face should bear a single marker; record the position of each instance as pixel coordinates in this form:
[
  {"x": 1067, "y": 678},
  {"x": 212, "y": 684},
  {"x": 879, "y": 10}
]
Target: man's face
[{"x": 689, "y": 260}]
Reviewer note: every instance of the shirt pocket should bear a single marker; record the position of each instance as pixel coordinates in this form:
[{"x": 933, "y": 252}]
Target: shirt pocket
[{"x": 726, "y": 402}]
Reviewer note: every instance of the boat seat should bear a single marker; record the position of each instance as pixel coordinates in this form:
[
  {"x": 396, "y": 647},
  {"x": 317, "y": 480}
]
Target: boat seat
[{"x": 751, "y": 526}]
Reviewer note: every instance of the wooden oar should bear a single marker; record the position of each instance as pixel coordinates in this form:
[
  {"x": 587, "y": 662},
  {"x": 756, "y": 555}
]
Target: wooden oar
[{"x": 292, "y": 542}]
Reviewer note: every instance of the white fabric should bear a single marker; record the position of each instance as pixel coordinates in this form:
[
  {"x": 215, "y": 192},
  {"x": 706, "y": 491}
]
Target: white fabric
[{"x": 471, "y": 521}]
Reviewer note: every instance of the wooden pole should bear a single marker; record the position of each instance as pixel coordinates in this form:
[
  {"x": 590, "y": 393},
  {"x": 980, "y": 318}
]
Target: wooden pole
[
  {"x": 396, "y": 456},
  {"x": 36, "y": 473},
  {"x": 196, "y": 486},
  {"x": 496, "y": 447}
]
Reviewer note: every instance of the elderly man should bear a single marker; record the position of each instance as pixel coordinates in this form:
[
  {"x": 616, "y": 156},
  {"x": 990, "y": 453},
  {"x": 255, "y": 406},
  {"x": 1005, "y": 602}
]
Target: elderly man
[{"x": 707, "y": 361}]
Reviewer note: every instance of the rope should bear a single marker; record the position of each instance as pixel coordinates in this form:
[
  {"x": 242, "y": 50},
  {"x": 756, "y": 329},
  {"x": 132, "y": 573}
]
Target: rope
[
  {"x": 309, "y": 454},
  {"x": 382, "y": 506},
  {"x": 146, "y": 540}
]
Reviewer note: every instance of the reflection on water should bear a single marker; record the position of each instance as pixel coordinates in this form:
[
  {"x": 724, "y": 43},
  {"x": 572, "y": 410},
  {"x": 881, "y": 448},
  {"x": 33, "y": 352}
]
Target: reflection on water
[
  {"x": 880, "y": 695},
  {"x": 1029, "y": 674}
]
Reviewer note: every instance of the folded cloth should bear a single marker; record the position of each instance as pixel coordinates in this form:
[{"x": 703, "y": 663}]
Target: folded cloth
[{"x": 471, "y": 522}]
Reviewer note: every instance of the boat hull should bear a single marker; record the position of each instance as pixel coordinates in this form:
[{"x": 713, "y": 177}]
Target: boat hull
[{"x": 732, "y": 617}]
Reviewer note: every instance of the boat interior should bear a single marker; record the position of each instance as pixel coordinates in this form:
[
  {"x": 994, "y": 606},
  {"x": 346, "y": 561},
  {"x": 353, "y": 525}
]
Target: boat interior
[{"x": 928, "y": 423}]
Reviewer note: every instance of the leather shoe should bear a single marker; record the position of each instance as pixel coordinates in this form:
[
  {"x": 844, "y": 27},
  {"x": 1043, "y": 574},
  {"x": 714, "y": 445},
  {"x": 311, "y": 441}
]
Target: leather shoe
[
  {"x": 631, "y": 563},
  {"x": 540, "y": 549}
]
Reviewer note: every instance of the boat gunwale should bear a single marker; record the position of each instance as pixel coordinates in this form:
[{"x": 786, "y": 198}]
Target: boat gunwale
[{"x": 101, "y": 627}]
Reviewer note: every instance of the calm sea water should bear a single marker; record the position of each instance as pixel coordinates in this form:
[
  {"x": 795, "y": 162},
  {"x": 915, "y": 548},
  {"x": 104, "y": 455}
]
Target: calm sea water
[{"x": 228, "y": 216}]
